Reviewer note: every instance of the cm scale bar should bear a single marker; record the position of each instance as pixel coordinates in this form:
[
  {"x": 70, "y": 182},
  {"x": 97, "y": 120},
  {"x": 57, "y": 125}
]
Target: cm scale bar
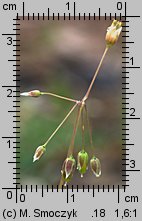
[
  {"x": 44, "y": 190},
  {"x": 71, "y": 6}
]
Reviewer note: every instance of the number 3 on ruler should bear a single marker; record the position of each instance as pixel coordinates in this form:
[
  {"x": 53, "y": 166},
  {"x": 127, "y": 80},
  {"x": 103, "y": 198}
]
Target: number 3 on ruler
[{"x": 9, "y": 41}]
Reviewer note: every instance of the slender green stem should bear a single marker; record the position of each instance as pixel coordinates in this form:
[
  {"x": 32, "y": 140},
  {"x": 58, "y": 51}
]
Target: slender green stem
[
  {"x": 52, "y": 135},
  {"x": 82, "y": 128},
  {"x": 61, "y": 183},
  {"x": 95, "y": 75},
  {"x": 71, "y": 147},
  {"x": 82, "y": 103},
  {"x": 89, "y": 128},
  {"x": 58, "y": 96}
]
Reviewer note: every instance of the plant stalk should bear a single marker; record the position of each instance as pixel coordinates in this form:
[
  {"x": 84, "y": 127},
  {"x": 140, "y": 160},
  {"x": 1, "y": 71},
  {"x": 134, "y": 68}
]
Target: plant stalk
[
  {"x": 58, "y": 96},
  {"x": 83, "y": 128},
  {"x": 95, "y": 75},
  {"x": 82, "y": 104},
  {"x": 71, "y": 147},
  {"x": 89, "y": 128},
  {"x": 52, "y": 135}
]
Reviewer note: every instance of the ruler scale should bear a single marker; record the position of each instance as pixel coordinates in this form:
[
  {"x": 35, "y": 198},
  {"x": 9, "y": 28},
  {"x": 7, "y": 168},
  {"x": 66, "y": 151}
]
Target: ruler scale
[{"x": 106, "y": 202}]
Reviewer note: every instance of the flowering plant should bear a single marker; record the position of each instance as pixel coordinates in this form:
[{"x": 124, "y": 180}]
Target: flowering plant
[{"x": 69, "y": 163}]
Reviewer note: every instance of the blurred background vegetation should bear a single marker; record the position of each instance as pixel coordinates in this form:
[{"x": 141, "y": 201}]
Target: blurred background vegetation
[{"x": 61, "y": 57}]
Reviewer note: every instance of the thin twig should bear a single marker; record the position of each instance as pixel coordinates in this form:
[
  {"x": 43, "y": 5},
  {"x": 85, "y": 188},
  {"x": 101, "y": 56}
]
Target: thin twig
[
  {"x": 61, "y": 183},
  {"x": 58, "y": 96},
  {"x": 82, "y": 103},
  {"x": 52, "y": 135},
  {"x": 95, "y": 75},
  {"x": 89, "y": 128},
  {"x": 82, "y": 128},
  {"x": 71, "y": 147}
]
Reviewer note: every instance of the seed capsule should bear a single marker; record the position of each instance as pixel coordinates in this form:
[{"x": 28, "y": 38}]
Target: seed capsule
[
  {"x": 68, "y": 168},
  {"x": 38, "y": 153},
  {"x": 113, "y": 33},
  {"x": 82, "y": 162},
  {"x": 95, "y": 166},
  {"x": 34, "y": 93}
]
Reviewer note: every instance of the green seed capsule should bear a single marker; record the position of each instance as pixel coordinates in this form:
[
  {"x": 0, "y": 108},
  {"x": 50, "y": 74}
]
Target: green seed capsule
[
  {"x": 68, "y": 168},
  {"x": 82, "y": 162},
  {"x": 38, "y": 153},
  {"x": 34, "y": 93},
  {"x": 95, "y": 166},
  {"x": 113, "y": 33}
]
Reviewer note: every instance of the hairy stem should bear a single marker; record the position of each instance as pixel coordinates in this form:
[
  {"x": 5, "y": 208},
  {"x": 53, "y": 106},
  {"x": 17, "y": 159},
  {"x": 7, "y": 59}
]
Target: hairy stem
[{"x": 58, "y": 96}]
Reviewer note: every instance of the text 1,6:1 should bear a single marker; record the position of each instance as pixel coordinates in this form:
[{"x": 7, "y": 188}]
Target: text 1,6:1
[{"x": 126, "y": 213}]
